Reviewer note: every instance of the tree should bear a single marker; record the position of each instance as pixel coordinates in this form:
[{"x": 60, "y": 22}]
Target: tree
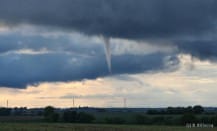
[
  {"x": 198, "y": 109},
  {"x": 70, "y": 116},
  {"x": 48, "y": 110},
  {"x": 50, "y": 115}
]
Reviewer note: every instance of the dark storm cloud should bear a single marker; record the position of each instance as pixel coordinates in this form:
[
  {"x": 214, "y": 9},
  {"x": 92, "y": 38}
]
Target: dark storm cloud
[
  {"x": 18, "y": 71},
  {"x": 130, "y": 19},
  {"x": 67, "y": 60},
  {"x": 112, "y": 18},
  {"x": 15, "y": 41},
  {"x": 205, "y": 49},
  {"x": 175, "y": 21}
]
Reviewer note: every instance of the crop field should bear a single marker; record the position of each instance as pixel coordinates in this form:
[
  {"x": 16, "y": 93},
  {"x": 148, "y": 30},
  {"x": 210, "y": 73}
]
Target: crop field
[{"x": 90, "y": 127}]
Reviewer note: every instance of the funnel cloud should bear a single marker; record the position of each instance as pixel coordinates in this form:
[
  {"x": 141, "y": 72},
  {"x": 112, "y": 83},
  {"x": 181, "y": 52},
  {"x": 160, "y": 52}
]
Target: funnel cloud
[{"x": 108, "y": 53}]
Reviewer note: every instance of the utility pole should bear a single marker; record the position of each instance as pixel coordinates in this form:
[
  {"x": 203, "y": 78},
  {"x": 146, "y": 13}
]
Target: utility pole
[
  {"x": 73, "y": 102},
  {"x": 125, "y": 102},
  {"x": 7, "y": 103}
]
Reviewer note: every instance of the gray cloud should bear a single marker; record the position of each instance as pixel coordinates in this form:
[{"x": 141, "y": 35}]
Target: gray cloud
[
  {"x": 138, "y": 20},
  {"x": 18, "y": 71},
  {"x": 15, "y": 41},
  {"x": 128, "y": 19},
  {"x": 205, "y": 49},
  {"x": 184, "y": 24},
  {"x": 68, "y": 59}
]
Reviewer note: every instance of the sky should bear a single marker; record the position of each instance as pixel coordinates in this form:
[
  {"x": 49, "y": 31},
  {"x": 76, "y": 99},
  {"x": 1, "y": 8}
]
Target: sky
[{"x": 152, "y": 53}]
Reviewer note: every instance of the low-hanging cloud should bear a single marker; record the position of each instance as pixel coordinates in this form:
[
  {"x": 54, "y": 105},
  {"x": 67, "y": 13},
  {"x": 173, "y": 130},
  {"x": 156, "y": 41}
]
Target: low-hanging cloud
[
  {"x": 34, "y": 59},
  {"x": 19, "y": 71}
]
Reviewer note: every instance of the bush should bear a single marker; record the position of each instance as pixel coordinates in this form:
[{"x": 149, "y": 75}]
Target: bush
[
  {"x": 54, "y": 117},
  {"x": 214, "y": 120},
  {"x": 85, "y": 117},
  {"x": 5, "y": 111},
  {"x": 70, "y": 116},
  {"x": 205, "y": 119},
  {"x": 140, "y": 119},
  {"x": 158, "y": 120},
  {"x": 114, "y": 120},
  {"x": 188, "y": 118},
  {"x": 74, "y": 117}
]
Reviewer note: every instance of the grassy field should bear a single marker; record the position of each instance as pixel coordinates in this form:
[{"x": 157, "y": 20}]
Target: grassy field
[{"x": 90, "y": 127}]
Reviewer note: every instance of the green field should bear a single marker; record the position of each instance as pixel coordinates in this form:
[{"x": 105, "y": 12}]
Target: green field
[{"x": 90, "y": 127}]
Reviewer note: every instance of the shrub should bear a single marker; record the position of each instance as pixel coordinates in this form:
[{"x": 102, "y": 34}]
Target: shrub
[
  {"x": 188, "y": 118},
  {"x": 85, "y": 117},
  {"x": 114, "y": 120},
  {"x": 70, "y": 116},
  {"x": 140, "y": 119}
]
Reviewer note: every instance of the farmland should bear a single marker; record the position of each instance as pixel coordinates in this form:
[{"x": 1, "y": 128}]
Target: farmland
[{"x": 91, "y": 127}]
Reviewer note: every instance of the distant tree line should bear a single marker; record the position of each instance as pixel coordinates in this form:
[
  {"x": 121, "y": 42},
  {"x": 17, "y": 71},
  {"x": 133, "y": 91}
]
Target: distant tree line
[
  {"x": 174, "y": 120},
  {"x": 67, "y": 116},
  {"x": 177, "y": 110},
  {"x": 18, "y": 111},
  {"x": 5, "y": 111},
  {"x": 168, "y": 116}
]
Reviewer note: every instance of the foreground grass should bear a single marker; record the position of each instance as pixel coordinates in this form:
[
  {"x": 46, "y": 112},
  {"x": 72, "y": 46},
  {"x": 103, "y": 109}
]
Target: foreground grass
[{"x": 90, "y": 127}]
